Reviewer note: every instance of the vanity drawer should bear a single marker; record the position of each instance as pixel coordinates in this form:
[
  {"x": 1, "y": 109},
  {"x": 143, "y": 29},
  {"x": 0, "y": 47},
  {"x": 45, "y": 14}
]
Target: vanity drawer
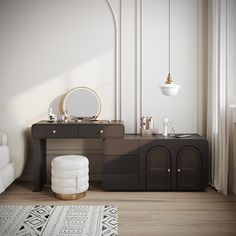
[
  {"x": 54, "y": 131},
  {"x": 121, "y": 146},
  {"x": 121, "y": 181},
  {"x": 121, "y": 164},
  {"x": 101, "y": 131}
]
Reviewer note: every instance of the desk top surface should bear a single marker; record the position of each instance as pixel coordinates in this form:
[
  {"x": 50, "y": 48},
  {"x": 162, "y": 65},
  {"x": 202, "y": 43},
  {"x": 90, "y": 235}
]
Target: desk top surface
[{"x": 81, "y": 122}]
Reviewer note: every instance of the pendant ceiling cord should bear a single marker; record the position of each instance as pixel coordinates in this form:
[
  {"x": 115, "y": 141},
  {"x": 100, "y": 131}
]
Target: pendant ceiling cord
[
  {"x": 169, "y": 36},
  {"x": 169, "y": 88}
]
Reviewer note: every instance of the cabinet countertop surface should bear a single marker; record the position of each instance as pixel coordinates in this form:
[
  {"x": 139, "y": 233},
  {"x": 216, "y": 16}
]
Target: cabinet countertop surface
[{"x": 160, "y": 136}]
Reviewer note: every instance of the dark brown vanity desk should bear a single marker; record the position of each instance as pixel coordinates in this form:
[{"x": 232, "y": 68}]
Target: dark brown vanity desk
[
  {"x": 131, "y": 162},
  {"x": 44, "y": 130}
]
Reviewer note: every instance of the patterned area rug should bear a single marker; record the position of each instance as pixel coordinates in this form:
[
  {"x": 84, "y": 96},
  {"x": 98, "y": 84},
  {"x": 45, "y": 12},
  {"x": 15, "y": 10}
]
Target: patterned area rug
[{"x": 58, "y": 220}]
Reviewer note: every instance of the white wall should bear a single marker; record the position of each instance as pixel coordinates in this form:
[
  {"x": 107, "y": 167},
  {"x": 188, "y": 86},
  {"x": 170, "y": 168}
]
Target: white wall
[
  {"x": 49, "y": 47},
  {"x": 181, "y": 109}
]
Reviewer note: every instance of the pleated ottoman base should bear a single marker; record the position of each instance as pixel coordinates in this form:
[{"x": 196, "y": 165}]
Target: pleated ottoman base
[{"x": 70, "y": 196}]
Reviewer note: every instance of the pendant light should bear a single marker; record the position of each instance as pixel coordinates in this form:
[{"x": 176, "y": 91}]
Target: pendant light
[{"x": 169, "y": 88}]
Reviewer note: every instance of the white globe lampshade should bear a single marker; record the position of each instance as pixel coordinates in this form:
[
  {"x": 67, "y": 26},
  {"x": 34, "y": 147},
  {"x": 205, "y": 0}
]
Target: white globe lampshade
[{"x": 170, "y": 89}]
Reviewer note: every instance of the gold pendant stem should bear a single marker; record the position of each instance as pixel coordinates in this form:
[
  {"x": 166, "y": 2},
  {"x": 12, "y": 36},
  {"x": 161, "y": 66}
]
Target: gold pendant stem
[{"x": 169, "y": 80}]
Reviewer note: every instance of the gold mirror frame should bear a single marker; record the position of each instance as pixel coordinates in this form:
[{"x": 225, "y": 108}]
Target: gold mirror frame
[{"x": 77, "y": 89}]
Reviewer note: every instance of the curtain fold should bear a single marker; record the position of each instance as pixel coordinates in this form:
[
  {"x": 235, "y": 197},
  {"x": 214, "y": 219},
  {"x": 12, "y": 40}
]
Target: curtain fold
[{"x": 219, "y": 93}]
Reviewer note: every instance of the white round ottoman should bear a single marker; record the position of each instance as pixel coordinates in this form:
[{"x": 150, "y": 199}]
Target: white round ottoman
[{"x": 70, "y": 179}]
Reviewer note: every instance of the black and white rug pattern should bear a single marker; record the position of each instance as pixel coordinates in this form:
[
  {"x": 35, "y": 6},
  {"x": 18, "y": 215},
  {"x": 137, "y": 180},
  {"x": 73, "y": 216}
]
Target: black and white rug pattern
[{"x": 58, "y": 220}]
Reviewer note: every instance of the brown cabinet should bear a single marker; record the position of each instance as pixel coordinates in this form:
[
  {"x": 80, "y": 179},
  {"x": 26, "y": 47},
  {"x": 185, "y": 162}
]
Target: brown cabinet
[
  {"x": 131, "y": 162},
  {"x": 106, "y": 129},
  {"x": 155, "y": 163},
  {"x": 174, "y": 164},
  {"x": 121, "y": 164},
  {"x": 180, "y": 171},
  {"x": 158, "y": 167},
  {"x": 189, "y": 169},
  {"x": 101, "y": 131},
  {"x": 54, "y": 131}
]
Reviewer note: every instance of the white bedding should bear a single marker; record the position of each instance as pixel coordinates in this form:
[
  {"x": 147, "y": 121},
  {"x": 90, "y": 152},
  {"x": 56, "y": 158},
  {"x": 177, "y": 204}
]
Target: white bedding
[
  {"x": 4, "y": 156},
  {"x": 7, "y": 176}
]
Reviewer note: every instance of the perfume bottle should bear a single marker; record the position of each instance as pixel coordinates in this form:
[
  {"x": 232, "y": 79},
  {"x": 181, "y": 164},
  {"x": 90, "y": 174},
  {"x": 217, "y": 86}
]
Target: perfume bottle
[
  {"x": 165, "y": 127},
  {"x": 52, "y": 116}
]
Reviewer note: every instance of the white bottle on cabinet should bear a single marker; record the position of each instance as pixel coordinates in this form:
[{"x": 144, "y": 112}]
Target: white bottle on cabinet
[{"x": 165, "y": 127}]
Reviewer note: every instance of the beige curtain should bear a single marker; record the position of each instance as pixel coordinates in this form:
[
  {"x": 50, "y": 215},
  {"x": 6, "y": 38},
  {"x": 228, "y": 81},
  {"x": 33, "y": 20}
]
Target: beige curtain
[{"x": 221, "y": 90}]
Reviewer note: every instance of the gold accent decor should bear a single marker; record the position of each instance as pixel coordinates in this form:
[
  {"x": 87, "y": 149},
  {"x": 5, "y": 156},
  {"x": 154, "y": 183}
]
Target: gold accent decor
[
  {"x": 70, "y": 196},
  {"x": 169, "y": 80}
]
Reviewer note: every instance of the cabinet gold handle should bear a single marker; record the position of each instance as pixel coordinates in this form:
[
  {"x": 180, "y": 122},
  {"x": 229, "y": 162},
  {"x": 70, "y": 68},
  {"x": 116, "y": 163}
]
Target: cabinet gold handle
[
  {"x": 178, "y": 170},
  {"x": 54, "y": 131},
  {"x": 168, "y": 170},
  {"x": 101, "y": 131}
]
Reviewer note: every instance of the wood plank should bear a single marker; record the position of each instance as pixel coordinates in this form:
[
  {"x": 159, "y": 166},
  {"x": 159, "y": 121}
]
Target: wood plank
[{"x": 147, "y": 213}]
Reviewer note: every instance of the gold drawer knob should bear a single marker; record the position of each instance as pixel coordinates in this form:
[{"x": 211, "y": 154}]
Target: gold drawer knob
[
  {"x": 101, "y": 131},
  {"x": 54, "y": 131}
]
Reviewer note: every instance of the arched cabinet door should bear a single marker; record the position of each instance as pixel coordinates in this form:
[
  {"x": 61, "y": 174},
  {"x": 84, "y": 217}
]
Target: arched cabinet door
[
  {"x": 189, "y": 171},
  {"x": 158, "y": 167}
]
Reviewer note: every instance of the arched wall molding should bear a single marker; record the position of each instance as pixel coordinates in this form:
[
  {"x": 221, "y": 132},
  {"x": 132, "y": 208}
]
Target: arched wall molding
[
  {"x": 127, "y": 16},
  {"x": 115, "y": 9}
]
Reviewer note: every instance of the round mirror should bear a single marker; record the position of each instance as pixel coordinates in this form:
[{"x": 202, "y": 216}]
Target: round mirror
[{"x": 82, "y": 103}]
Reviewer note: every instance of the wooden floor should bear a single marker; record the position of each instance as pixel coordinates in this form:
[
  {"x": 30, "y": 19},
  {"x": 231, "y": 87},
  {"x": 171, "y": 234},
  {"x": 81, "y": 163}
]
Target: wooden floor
[{"x": 148, "y": 213}]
